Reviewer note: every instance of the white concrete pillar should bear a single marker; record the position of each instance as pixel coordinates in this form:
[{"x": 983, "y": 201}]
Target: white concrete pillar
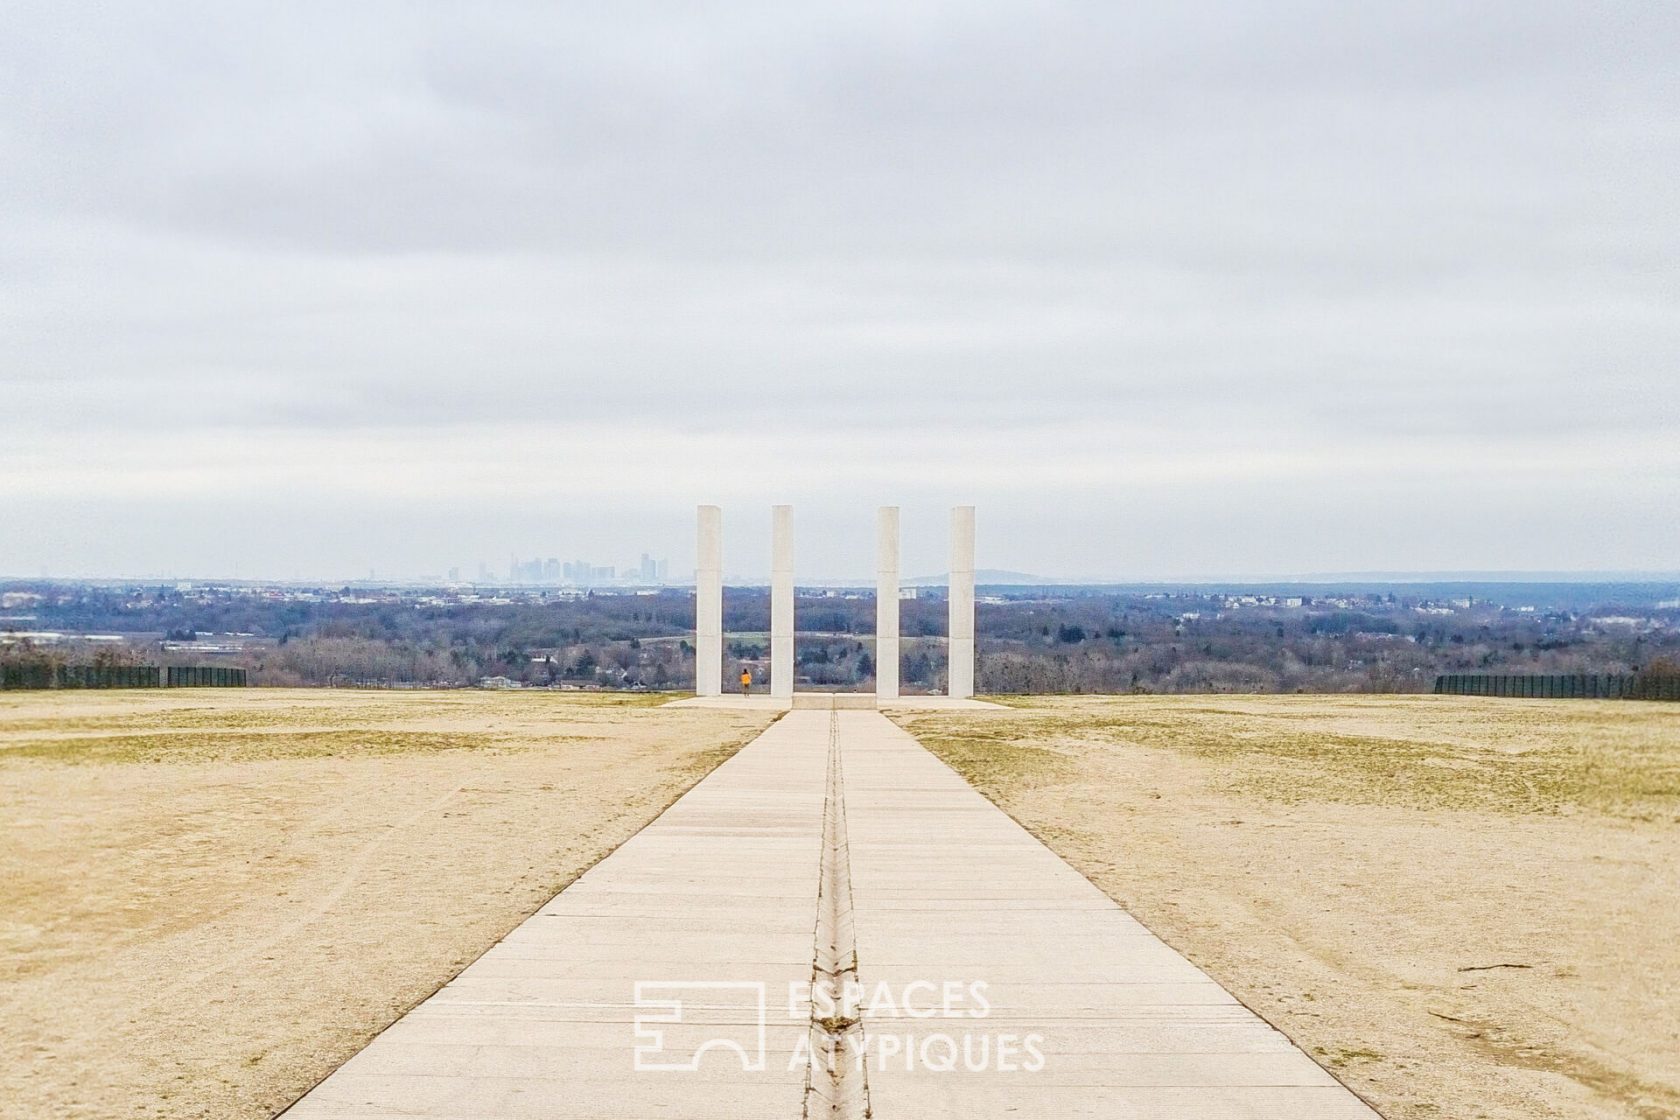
[
  {"x": 960, "y": 674},
  {"x": 708, "y": 603},
  {"x": 781, "y": 601},
  {"x": 886, "y": 603}
]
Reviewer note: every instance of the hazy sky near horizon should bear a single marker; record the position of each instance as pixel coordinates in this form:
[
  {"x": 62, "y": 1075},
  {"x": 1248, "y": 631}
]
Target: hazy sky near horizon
[{"x": 1164, "y": 290}]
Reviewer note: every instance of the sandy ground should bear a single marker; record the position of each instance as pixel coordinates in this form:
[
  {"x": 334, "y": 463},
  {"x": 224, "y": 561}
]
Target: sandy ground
[
  {"x": 1463, "y": 907},
  {"x": 214, "y": 897}
]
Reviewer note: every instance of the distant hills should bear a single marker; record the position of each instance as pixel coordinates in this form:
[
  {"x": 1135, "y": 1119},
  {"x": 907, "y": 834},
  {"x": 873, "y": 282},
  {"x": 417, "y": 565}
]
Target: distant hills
[
  {"x": 1002, "y": 577},
  {"x": 992, "y": 576}
]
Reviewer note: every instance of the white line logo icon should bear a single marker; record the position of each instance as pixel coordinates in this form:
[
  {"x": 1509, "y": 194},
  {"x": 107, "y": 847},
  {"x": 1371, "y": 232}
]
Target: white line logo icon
[{"x": 747, "y": 1039}]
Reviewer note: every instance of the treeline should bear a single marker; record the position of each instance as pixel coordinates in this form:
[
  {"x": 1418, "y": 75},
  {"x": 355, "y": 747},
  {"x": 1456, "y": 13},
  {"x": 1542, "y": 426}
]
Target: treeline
[
  {"x": 1066, "y": 641},
  {"x": 1185, "y": 644}
]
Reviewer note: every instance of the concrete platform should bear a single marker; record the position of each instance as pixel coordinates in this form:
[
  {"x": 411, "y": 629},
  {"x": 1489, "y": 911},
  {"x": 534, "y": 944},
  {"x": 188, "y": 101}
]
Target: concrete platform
[
  {"x": 718, "y": 900},
  {"x": 837, "y": 701}
]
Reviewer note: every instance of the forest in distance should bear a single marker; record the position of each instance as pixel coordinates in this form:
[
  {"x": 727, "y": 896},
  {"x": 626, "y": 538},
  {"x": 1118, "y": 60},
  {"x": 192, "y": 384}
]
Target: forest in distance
[{"x": 1196, "y": 638}]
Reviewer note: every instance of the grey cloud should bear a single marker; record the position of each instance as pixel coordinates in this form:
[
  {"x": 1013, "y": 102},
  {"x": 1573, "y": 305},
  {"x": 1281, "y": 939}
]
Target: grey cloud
[{"x": 1295, "y": 225}]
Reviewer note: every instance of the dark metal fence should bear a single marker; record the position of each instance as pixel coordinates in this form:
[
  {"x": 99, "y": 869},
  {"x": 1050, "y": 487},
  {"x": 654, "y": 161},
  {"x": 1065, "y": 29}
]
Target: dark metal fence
[
  {"x": 108, "y": 676},
  {"x": 120, "y": 676},
  {"x": 205, "y": 676},
  {"x": 28, "y": 676},
  {"x": 1561, "y": 686}
]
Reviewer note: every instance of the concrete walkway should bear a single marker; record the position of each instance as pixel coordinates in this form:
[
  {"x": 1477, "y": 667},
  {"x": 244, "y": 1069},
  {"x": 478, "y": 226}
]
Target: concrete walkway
[{"x": 832, "y": 842}]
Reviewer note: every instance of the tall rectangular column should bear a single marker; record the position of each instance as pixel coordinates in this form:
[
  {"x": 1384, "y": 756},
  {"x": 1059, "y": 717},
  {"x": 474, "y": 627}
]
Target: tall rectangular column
[
  {"x": 781, "y": 601},
  {"x": 960, "y": 674},
  {"x": 708, "y": 603},
  {"x": 886, "y": 603}
]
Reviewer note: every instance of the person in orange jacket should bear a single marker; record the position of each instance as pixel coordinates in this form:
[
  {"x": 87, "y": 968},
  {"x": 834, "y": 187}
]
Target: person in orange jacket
[{"x": 746, "y": 682}]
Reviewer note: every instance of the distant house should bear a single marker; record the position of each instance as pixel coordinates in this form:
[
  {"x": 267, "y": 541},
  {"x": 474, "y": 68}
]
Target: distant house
[{"x": 499, "y": 682}]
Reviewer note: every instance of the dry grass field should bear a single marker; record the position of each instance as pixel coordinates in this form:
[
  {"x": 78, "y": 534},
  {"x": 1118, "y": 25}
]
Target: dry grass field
[
  {"x": 213, "y": 898},
  {"x": 1463, "y": 907}
]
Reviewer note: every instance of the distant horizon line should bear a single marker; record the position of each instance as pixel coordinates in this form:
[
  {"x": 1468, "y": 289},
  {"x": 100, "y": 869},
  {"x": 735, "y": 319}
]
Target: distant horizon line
[{"x": 990, "y": 577}]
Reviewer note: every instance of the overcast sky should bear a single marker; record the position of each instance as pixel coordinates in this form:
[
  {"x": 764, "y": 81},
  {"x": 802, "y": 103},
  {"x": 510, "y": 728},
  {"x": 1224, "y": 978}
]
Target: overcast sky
[{"x": 1163, "y": 290}]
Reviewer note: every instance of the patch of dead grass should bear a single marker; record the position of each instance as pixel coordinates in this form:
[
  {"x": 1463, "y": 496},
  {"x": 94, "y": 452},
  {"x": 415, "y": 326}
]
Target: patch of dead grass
[
  {"x": 1615, "y": 758},
  {"x": 214, "y": 897},
  {"x": 1449, "y": 901}
]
